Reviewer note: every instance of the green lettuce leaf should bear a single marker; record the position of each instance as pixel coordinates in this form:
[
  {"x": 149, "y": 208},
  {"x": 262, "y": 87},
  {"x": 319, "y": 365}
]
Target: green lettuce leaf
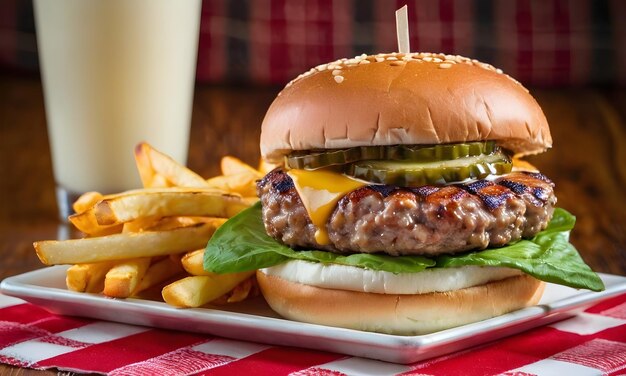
[{"x": 242, "y": 244}]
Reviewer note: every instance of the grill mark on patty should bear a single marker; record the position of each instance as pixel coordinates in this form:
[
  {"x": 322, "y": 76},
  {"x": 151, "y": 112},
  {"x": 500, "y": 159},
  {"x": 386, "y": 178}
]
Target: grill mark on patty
[
  {"x": 541, "y": 194},
  {"x": 516, "y": 187},
  {"x": 426, "y": 220},
  {"x": 424, "y": 191},
  {"x": 494, "y": 196},
  {"x": 535, "y": 186},
  {"x": 476, "y": 186},
  {"x": 280, "y": 181},
  {"x": 538, "y": 176},
  {"x": 384, "y": 190}
]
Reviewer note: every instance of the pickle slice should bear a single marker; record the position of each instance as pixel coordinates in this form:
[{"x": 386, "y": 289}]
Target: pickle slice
[
  {"x": 418, "y": 153},
  {"x": 414, "y": 174}
]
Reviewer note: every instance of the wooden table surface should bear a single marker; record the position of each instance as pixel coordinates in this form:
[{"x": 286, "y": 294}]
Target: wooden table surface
[{"x": 587, "y": 163}]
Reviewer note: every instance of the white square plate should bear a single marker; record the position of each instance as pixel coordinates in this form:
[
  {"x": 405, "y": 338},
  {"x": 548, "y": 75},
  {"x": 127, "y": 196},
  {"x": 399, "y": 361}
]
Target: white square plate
[{"x": 253, "y": 320}]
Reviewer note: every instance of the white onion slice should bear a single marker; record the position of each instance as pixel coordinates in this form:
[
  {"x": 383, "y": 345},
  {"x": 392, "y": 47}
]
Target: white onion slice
[{"x": 343, "y": 277}]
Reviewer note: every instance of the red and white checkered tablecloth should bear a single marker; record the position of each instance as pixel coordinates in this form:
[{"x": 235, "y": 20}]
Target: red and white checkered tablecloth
[{"x": 592, "y": 343}]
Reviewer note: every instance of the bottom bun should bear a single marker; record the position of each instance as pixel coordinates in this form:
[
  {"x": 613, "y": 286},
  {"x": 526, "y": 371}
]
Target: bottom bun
[{"x": 398, "y": 314}]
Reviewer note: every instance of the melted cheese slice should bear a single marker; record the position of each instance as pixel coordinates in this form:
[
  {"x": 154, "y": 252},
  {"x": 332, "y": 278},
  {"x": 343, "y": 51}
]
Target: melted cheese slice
[{"x": 320, "y": 190}]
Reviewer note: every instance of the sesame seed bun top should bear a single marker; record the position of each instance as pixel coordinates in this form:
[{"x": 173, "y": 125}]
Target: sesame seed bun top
[{"x": 390, "y": 99}]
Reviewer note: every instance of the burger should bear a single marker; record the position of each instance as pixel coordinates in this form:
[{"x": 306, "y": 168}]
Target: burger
[{"x": 399, "y": 204}]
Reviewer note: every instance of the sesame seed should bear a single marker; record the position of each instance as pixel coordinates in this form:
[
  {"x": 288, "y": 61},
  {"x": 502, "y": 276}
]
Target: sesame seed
[
  {"x": 445, "y": 65},
  {"x": 364, "y": 61},
  {"x": 437, "y": 60},
  {"x": 392, "y": 58},
  {"x": 499, "y": 70},
  {"x": 427, "y": 58},
  {"x": 379, "y": 59},
  {"x": 336, "y": 72},
  {"x": 321, "y": 67},
  {"x": 338, "y": 79}
]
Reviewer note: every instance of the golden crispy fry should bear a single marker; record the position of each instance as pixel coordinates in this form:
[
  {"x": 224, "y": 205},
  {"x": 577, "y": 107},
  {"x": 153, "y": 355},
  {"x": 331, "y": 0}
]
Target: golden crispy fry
[
  {"x": 86, "y": 222},
  {"x": 159, "y": 272},
  {"x": 241, "y": 291},
  {"x": 141, "y": 224},
  {"x": 233, "y": 166},
  {"x": 195, "y": 291},
  {"x": 122, "y": 280},
  {"x": 159, "y": 181},
  {"x": 265, "y": 167},
  {"x": 86, "y": 201},
  {"x": 243, "y": 183},
  {"x": 137, "y": 204},
  {"x": 166, "y": 202},
  {"x": 144, "y": 165},
  {"x": 192, "y": 262},
  {"x": 107, "y": 230},
  {"x": 124, "y": 246},
  {"x": 136, "y": 238},
  {"x": 151, "y": 162},
  {"x": 170, "y": 223},
  {"x": 250, "y": 200},
  {"x": 87, "y": 277}
]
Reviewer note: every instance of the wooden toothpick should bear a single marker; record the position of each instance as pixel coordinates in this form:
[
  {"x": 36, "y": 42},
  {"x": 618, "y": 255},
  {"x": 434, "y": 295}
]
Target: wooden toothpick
[{"x": 402, "y": 30}]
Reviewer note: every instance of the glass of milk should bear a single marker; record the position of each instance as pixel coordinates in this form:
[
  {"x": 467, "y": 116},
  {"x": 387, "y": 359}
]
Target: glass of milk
[{"x": 115, "y": 73}]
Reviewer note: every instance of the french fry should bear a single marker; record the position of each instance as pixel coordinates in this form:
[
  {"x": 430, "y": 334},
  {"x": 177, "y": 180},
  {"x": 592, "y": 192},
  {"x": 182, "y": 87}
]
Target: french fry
[
  {"x": 159, "y": 181},
  {"x": 159, "y": 272},
  {"x": 233, "y": 166},
  {"x": 164, "y": 203},
  {"x": 140, "y": 224},
  {"x": 151, "y": 162},
  {"x": 144, "y": 165},
  {"x": 170, "y": 223},
  {"x": 87, "y": 277},
  {"x": 192, "y": 262},
  {"x": 136, "y": 239},
  {"x": 86, "y": 222},
  {"x": 124, "y": 246},
  {"x": 250, "y": 200},
  {"x": 241, "y": 291},
  {"x": 86, "y": 200},
  {"x": 243, "y": 183},
  {"x": 196, "y": 291},
  {"x": 122, "y": 280},
  {"x": 132, "y": 205}
]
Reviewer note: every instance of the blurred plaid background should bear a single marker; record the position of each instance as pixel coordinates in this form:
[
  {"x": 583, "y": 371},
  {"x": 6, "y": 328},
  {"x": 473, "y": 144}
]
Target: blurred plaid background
[{"x": 540, "y": 42}]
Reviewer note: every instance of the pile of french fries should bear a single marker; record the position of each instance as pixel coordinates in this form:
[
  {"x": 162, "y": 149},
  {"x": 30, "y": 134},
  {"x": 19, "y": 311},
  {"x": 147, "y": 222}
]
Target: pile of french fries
[{"x": 154, "y": 237}]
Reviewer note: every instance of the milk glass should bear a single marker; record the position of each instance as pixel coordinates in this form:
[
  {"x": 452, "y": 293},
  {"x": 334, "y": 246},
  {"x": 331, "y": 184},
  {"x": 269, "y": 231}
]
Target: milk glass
[{"x": 115, "y": 73}]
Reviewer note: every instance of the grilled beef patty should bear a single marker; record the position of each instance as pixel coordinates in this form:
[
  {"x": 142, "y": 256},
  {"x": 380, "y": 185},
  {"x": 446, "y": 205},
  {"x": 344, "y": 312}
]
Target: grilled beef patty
[{"x": 428, "y": 220}]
